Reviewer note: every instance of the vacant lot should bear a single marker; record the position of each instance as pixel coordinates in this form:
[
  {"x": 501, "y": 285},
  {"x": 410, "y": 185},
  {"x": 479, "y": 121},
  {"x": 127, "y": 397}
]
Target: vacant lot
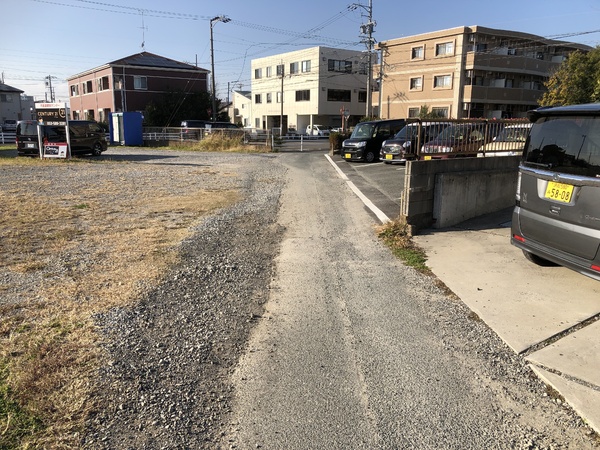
[{"x": 79, "y": 239}]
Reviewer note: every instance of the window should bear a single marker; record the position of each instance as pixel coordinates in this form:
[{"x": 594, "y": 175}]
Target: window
[
  {"x": 417, "y": 52},
  {"x": 440, "y": 112},
  {"x": 442, "y": 81},
  {"x": 334, "y": 65},
  {"x": 303, "y": 96},
  {"x": 102, "y": 84},
  {"x": 269, "y": 97},
  {"x": 339, "y": 95},
  {"x": 416, "y": 84},
  {"x": 257, "y": 98},
  {"x": 362, "y": 96},
  {"x": 280, "y": 70},
  {"x": 444, "y": 49},
  {"x": 269, "y": 72},
  {"x": 74, "y": 90},
  {"x": 294, "y": 67},
  {"x": 140, "y": 83},
  {"x": 413, "y": 112},
  {"x": 6, "y": 98},
  {"x": 306, "y": 66},
  {"x": 257, "y": 73},
  {"x": 278, "y": 97},
  {"x": 87, "y": 87}
]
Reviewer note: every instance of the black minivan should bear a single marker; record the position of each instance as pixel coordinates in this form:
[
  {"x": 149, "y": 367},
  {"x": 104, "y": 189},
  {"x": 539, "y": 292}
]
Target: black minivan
[
  {"x": 556, "y": 219},
  {"x": 86, "y": 136},
  {"x": 26, "y": 137},
  {"x": 364, "y": 144}
]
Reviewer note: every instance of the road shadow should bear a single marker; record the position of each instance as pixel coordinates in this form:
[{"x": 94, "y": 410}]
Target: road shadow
[{"x": 490, "y": 221}]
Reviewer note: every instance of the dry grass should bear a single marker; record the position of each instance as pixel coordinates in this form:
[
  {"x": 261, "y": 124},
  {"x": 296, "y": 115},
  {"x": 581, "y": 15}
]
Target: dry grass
[{"x": 87, "y": 238}]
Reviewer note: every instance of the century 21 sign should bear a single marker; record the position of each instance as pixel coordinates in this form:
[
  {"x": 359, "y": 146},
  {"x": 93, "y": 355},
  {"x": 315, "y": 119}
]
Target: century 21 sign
[{"x": 51, "y": 113}]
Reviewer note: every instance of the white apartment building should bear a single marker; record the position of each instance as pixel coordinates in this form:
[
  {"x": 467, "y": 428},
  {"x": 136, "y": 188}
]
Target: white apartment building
[
  {"x": 240, "y": 109},
  {"x": 317, "y": 85}
]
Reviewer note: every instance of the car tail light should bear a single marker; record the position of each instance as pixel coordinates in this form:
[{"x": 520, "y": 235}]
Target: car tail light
[
  {"x": 516, "y": 237},
  {"x": 596, "y": 268}
]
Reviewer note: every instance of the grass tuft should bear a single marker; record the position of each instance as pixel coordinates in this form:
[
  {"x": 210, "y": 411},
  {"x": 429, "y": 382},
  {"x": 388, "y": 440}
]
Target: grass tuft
[{"x": 397, "y": 235}]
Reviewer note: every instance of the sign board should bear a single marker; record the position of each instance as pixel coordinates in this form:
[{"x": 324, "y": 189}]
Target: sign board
[
  {"x": 51, "y": 113},
  {"x": 55, "y": 150}
]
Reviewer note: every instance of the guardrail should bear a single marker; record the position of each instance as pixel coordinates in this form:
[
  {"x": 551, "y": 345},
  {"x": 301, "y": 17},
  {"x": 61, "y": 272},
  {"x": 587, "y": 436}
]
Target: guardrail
[{"x": 197, "y": 134}]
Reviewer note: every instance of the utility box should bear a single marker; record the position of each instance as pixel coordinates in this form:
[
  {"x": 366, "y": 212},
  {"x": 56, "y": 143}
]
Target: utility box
[{"x": 126, "y": 128}]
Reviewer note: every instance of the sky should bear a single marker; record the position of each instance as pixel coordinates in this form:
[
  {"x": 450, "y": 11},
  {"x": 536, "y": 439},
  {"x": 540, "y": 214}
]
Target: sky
[{"x": 61, "y": 38}]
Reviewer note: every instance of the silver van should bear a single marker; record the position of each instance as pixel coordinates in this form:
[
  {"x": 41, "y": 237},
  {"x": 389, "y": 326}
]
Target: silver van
[{"x": 556, "y": 219}]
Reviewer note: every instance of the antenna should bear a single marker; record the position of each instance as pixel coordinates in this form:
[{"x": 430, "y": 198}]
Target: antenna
[{"x": 144, "y": 28}]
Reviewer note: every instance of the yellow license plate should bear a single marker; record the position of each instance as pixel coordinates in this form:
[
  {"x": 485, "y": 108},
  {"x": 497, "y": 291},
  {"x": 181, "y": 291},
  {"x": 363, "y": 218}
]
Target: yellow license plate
[
  {"x": 347, "y": 156},
  {"x": 389, "y": 156},
  {"x": 559, "y": 192},
  {"x": 427, "y": 158}
]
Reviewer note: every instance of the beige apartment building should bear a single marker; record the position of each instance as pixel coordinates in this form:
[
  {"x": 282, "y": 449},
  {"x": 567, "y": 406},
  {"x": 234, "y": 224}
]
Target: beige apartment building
[
  {"x": 467, "y": 72},
  {"x": 318, "y": 85}
]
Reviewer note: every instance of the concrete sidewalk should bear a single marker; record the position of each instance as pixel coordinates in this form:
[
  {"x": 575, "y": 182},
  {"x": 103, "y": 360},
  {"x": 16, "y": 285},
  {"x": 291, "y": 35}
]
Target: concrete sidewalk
[{"x": 548, "y": 314}]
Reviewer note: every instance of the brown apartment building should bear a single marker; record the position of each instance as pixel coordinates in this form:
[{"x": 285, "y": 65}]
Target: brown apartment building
[
  {"x": 467, "y": 72},
  {"x": 129, "y": 84}
]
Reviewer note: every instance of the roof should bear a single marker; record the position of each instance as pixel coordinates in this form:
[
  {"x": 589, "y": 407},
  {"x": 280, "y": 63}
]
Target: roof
[
  {"x": 584, "y": 109},
  {"x": 7, "y": 88},
  {"x": 144, "y": 59}
]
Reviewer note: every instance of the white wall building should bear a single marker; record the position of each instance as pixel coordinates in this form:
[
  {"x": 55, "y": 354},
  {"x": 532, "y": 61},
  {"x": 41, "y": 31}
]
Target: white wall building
[
  {"x": 317, "y": 84},
  {"x": 241, "y": 108}
]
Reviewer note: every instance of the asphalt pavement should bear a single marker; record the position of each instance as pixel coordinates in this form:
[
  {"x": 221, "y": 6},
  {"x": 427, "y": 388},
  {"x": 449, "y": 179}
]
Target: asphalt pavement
[{"x": 549, "y": 315}]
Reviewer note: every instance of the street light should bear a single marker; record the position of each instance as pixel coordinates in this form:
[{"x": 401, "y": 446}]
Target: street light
[{"x": 214, "y": 20}]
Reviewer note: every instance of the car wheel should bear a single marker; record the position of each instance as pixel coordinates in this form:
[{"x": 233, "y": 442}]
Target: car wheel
[
  {"x": 369, "y": 157},
  {"x": 97, "y": 149},
  {"x": 538, "y": 260}
]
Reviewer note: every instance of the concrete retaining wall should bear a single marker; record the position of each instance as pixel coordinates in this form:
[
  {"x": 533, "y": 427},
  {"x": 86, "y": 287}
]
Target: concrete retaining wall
[{"x": 443, "y": 193}]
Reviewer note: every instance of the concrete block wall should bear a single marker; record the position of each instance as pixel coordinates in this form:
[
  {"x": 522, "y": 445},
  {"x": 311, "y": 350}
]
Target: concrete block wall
[{"x": 442, "y": 193}]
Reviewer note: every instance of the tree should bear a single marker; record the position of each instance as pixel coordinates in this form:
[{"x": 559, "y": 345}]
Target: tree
[
  {"x": 170, "y": 109},
  {"x": 576, "y": 81},
  {"x": 425, "y": 113}
]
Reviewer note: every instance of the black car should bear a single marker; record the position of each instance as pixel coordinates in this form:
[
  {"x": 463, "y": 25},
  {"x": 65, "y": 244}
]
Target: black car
[
  {"x": 27, "y": 138},
  {"x": 364, "y": 144},
  {"x": 86, "y": 137},
  {"x": 404, "y": 145}
]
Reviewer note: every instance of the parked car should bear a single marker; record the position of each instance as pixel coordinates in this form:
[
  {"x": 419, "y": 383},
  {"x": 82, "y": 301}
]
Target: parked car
[
  {"x": 457, "y": 140},
  {"x": 556, "y": 219},
  {"x": 9, "y": 125},
  {"x": 318, "y": 130},
  {"x": 364, "y": 144},
  {"x": 27, "y": 138},
  {"x": 403, "y": 146},
  {"x": 510, "y": 141},
  {"x": 86, "y": 137}
]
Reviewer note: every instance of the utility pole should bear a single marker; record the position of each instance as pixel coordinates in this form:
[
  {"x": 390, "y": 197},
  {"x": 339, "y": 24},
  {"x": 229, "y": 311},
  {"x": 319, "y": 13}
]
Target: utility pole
[
  {"x": 49, "y": 86},
  {"x": 367, "y": 34},
  {"x": 381, "y": 62},
  {"x": 281, "y": 113},
  {"x": 223, "y": 19}
]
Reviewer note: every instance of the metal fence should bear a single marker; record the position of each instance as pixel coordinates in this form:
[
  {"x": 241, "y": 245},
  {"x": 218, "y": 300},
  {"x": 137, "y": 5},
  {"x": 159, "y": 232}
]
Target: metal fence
[
  {"x": 7, "y": 137},
  {"x": 443, "y": 139}
]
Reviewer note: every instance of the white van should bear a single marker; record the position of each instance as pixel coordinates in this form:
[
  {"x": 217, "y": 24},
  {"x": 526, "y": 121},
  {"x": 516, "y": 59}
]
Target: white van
[{"x": 318, "y": 130}]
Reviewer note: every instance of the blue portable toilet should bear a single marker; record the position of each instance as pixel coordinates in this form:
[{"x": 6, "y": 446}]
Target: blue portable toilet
[{"x": 126, "y": 128}]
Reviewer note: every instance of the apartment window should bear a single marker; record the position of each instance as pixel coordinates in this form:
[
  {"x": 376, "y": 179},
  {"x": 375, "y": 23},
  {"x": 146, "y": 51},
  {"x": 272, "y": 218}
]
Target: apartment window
[
  {"x": 362, "y": 69},
  {"x": 280, "y": 70},
  {"x": 257, "y": 73},
  {"x": 269, "y": 98},
  {"x": 362, "y": 96},
  {"x": 278, "y": 97},
  {"x": 306, "y": 66},
  {"x": 334, "y": 65},
  {"x": 89, "y": 114},
  {"x": 87, "y": 87},
  {"x": 417, "y": 52},
  {"x": 257, "y": 98},
  {"x": 269, "y": 72},
  {"x": 339, "y": 95},
  {"x": 416, "y": 84},
  {"x": 444, "y": 49},
  {"x": 442, "y": 81},
  {"x": 6, "y": 98},
  {"x": 118, "y": 83},
  {"x": 440, "y": 112},
  {"x": 140, "y": 83},
  {"x": 413, "y": 112},
  {"x": 74, "y": 90},
  {"x": 102, "y": 84},
  {"x": 294, "y": 67},
  {"x": 303, "y": 96}
]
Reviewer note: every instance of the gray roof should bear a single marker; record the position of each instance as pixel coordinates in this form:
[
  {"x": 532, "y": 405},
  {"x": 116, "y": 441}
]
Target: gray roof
[
  {"x": 146, "y": 59},
  {"x": 7, "y": 88}
]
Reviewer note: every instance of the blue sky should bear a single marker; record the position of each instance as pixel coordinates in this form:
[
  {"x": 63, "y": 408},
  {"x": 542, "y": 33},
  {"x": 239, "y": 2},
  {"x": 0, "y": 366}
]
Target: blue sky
[{"x": 61, "y": 38}]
